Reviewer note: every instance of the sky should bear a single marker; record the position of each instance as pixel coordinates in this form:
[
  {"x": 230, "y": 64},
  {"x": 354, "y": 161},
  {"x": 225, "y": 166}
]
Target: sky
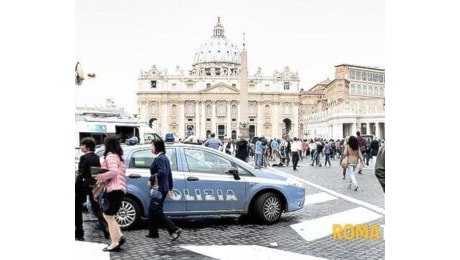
[{"x": 116, "y": 39}]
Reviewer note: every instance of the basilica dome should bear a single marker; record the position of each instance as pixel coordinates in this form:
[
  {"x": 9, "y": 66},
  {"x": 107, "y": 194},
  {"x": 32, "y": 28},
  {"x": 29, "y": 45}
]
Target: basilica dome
[{"x": 218, "y": 49}]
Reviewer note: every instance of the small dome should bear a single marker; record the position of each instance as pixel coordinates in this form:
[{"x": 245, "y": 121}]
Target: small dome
[{"x": 217, "y": 49}]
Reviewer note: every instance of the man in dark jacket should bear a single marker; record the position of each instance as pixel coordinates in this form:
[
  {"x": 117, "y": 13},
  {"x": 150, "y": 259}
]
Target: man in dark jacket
[
  {"x": 84, "y": 184},
  {"x": 242, "y": 149}
]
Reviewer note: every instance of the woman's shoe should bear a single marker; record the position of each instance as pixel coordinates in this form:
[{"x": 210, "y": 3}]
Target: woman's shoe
[
  {"x": 121, "y": 241},
  {"x": 116, "y": 248},
  {"x": 176, "y": 234},
  {"x": 356, "y": 188}
]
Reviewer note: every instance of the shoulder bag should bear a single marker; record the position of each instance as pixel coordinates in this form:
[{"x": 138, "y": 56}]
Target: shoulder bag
[{"x": 344, "y": 162}]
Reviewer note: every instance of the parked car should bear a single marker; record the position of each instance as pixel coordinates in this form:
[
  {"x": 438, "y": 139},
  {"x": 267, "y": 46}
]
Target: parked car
[{"x": 207, "y": 182}]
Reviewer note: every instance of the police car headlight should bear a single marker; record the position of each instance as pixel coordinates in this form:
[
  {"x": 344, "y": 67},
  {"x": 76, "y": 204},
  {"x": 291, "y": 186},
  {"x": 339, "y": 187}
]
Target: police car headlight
[{"x": 293, "y": 182}]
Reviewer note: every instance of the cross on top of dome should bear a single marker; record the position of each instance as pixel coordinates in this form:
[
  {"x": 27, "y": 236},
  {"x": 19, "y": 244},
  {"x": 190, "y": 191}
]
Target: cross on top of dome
[{"x": 218, "y": 29}]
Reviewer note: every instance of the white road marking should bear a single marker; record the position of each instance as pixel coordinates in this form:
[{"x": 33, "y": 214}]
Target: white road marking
[
  {"x": 321, "y": 227},
  {"x": 383, "y": 231},
  {"x": 334, "y": 193},
  {"x": 89, "y": 250},
  {"x": 246, "y": 252},
  {"x": 318, "y": 198}
]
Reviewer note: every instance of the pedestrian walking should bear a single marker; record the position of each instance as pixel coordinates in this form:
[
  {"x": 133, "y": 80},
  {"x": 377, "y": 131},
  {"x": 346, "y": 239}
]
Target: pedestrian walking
[
  {"x": 353, "y": 155},
  {"x": 296, "y": 148},
  {"x": 115, "y": 179},
  {"x": 161, "y": 179},
  {"x": 327, "y": 154},
  {"x": 83, "y": 186}
]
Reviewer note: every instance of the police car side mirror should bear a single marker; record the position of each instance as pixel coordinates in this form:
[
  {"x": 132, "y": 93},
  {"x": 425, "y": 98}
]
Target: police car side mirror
[{"x": 233, "y": 171}]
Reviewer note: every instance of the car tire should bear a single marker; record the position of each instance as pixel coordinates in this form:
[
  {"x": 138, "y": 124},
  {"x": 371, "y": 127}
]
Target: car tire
[
  {"x": 129, "y": 213},
  {"x": 268, "y": 208}
]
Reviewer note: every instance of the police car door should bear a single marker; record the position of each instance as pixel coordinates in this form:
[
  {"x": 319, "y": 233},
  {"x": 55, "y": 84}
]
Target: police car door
[
  {"x": 208, "y": 186},
  {"x": 139, "y": 174}
]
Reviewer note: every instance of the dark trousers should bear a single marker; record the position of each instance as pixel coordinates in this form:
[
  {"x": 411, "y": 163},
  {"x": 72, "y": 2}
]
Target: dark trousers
[
  {"x": 80, "y": 198},
  {"x": 295, "y": 160},
  {"x": 327, "y": 157},
  {"x": 157, "y": 218}
]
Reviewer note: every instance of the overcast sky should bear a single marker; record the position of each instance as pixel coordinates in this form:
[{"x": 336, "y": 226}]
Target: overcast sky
[{"x": 116, "y": 39}]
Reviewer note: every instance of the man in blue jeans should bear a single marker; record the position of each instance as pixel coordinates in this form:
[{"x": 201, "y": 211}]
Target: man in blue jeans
[{"x": 258, "y": 151}]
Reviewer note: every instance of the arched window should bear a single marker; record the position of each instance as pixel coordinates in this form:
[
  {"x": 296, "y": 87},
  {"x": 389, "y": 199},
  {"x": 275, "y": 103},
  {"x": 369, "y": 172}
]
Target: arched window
[
  {"x": 208, "y": 109},
  {"x": 359, "y": 90},
  {"x": 381, "y": 91},
  {"x": 352, "y": 89},
  {"x": 365, "y": 90}
]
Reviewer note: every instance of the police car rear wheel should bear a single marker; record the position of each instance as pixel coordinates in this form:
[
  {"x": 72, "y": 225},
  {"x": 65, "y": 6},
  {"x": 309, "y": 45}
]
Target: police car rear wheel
[
  {"x": 268, "y": 208},
  {"x": 129, "y": 214}
]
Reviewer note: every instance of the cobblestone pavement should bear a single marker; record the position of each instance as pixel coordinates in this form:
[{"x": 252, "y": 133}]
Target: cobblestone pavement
[{"x": 233, "y": 230}]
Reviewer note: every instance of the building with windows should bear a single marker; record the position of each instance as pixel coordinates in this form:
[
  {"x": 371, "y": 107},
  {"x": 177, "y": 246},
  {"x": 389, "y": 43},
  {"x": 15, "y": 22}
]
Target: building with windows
[
  {"x": 353, "y": 101},
  {"x": 218, "y": 95}
]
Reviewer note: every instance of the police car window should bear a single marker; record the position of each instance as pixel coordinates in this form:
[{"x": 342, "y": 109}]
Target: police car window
[
  {"x": 204, "y": 161},
  {"x": 243, "y": 172},
  {"x": 171, "y": 154},
  {"x": 144, "y": 158}
]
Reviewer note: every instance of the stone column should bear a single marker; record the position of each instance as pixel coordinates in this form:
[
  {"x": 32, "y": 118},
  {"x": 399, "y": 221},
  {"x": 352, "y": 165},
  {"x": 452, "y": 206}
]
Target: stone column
[
  {"x": 164, "y": 119},
  {"x": 368, "y": 128},
  {"x": 197, "y": 119},
  {"x": 145, "y": 110},
  {"x": 295, "y": 126},
  {"x": 213, "y": 118},
  {"x": 260, "y": 118},
  {"x": 181, "y": 130},
  {"x": 203, "y": 121},
  {"x": 229, "y": 119},
  {"x": 275, "y": 120},
  {"x": 353, "y": 128},
  {"x": 377, "y": 130}
]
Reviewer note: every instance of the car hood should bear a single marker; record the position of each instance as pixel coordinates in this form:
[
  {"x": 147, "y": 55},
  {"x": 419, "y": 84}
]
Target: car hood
[{"x": 267, "y": 173}]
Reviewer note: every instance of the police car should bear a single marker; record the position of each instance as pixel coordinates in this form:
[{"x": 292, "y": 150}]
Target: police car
[{"x": 207, "y": 182}]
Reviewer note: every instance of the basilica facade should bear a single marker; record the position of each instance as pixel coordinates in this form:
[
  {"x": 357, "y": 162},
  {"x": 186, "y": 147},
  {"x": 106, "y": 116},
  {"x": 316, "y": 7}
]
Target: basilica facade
[{"x": 218, "y": 95}]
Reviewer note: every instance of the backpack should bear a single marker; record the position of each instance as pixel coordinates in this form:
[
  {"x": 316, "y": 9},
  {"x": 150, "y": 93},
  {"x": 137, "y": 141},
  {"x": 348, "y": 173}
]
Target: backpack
[{"x": 327, "y": 149}]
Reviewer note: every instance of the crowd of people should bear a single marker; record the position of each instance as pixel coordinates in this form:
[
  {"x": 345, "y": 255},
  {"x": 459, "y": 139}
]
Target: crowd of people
[{"x": 283, "y": 151}]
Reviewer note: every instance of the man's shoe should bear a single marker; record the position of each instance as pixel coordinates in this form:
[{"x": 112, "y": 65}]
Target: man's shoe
[{"x": 152, "y": 236}]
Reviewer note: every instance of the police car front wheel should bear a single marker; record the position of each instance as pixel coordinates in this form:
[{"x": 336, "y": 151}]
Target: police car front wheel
[{"x": 268, "y": 208}]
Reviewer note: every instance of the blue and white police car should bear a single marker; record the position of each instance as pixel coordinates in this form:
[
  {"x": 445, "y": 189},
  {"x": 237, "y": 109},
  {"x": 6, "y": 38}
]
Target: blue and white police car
[{"x": 207, "y": 182}]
